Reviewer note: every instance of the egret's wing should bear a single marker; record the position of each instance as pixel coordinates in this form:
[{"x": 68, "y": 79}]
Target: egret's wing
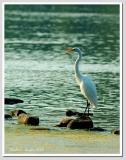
[{"x": 88, "y": 88}]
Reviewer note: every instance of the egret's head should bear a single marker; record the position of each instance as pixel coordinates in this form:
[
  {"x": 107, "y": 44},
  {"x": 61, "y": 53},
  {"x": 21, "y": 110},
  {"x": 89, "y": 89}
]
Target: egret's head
[{"x": 69, "y": 50}]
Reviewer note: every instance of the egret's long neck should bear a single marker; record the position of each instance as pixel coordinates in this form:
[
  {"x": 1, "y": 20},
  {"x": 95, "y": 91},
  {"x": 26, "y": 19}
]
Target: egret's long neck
[{"x": 77, "y": 72}]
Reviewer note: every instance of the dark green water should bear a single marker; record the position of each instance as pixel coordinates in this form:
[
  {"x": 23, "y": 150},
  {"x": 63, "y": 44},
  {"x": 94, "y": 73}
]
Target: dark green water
[{"x": 38, "y": 71}]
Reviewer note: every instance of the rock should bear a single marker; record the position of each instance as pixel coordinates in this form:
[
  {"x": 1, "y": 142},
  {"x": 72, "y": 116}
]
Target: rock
[
  {"x": 83, "y": 122},
  {"x": 70, "y": 113},
  {"x": 117, "y": 132},
  {"x": 16, "y": 113},
  {"x": 64, "y": 122},
  {"x": 74, "y": 113},
  {"x": 23, "y": 118},
  {"x": 97, "y": 129},
  {"x": 13, "y": 101},
  {"x": 7, "y": 116},
  {"x": 29, "y": 120},
  {"x": 80, "y": 123},
  {"x": 33, "y": 120}
]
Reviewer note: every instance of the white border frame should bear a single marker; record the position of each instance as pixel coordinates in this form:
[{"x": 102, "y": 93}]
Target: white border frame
[{"x": 121, "y": 105}]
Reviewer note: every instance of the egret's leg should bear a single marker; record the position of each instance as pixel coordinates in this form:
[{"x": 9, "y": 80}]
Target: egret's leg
[
  {"x": 88, "y": 111},
  {"x": 85, "y": 110},
  {"x": 86, "y": 107}
]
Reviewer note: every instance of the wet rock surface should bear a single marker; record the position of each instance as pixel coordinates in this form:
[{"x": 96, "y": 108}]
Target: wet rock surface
[
  {"x": 98, "y": 129},
  {"x": 116, "y": 131},
  {"x": 80, "y": 123},
  {"x": 7, "y": 116},
  {"x": 70, "y": 113},
  {"x": 16, "y": 113},
  {"x": 23, "y": 117},
  {"x": 83, "y": 122},
  {"x": 64, "y": 122},
  {"x": 12, "y": 101},
  {"x": 29, "y": 120}
]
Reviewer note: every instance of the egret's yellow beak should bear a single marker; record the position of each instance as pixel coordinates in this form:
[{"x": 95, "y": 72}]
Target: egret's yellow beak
[{"x": 69, "y": 50}]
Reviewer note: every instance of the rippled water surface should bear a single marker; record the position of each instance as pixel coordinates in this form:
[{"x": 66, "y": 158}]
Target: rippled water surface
[{"x": 38, "y": 71}]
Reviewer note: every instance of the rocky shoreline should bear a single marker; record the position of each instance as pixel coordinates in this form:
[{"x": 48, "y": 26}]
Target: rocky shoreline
[{"x": 80, "y": 122}]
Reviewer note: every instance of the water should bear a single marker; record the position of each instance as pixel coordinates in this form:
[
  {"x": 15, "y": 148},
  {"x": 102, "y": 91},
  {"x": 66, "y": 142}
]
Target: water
[{"x": 38, "y": 71}]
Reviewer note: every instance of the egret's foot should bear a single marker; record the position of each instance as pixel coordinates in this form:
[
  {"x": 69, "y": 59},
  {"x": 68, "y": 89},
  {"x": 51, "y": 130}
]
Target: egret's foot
[
  {"x": 83, "y": 116},
  {"x": 87, "y": 114},
  {"x": 87, "y": 109}
]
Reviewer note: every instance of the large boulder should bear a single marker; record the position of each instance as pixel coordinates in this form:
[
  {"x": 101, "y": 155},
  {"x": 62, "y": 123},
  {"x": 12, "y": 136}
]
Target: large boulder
[
  {"x": 64, "y": 122},
  {"x": 83, "y": 122},
  {"x": 80, "y": 123}
]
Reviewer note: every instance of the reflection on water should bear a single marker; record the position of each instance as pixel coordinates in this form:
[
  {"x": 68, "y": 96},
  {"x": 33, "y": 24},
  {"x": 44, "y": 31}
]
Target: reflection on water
[{"x": 38, "y": 71}]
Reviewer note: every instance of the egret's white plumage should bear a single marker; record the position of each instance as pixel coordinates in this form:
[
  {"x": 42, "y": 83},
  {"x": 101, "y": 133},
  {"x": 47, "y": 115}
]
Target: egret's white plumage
[{"x": 87, "y": 86}]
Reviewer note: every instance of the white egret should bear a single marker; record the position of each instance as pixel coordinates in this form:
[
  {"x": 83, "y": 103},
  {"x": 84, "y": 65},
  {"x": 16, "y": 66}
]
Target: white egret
[{"x": 87, "y": 86}]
